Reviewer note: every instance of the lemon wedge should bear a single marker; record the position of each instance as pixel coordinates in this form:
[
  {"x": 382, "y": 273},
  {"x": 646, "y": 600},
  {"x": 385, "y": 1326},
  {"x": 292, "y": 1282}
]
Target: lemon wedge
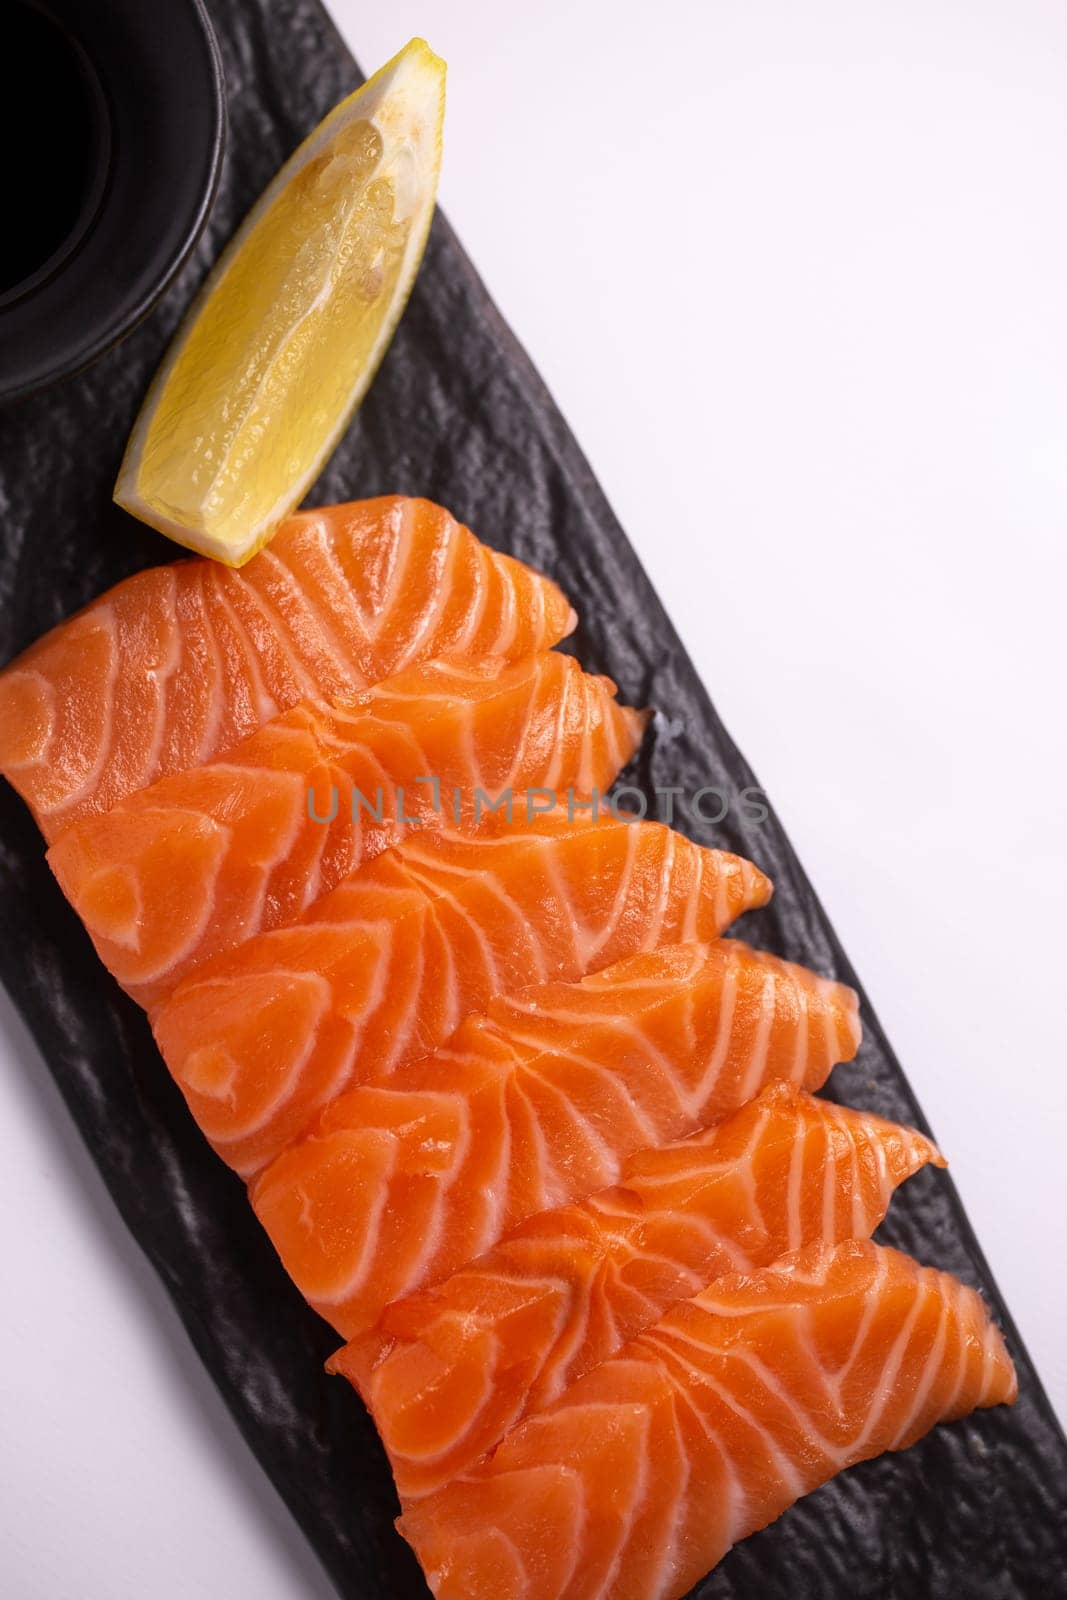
[{"x": 282, "y": 342}]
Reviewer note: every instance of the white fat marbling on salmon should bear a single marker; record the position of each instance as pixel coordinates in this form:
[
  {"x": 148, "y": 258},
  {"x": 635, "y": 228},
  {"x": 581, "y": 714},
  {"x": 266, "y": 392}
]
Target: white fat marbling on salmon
[
  {"x": 551, "y": 1094},
  {"x": 425, "y": 934},
  {"x": 727, "y": 1401},
  {"x": 590, "y": 1276},
  {"x": 473, "y": 724},
  {"x": 175, "y": 664}
]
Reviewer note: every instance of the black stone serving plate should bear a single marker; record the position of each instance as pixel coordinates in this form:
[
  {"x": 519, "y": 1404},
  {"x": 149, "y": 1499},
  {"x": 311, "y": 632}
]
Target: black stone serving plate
[{"x": 978, "y": 1509}]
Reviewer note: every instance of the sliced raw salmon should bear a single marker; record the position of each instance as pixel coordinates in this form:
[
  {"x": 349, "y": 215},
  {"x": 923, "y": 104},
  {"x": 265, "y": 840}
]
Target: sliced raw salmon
[
  {"x": 202, "y": 860},
  {"x": 448, "y": 1371},
  {"x": 537, "y": 1102},
  {"x": 709, "y": 1425},
  {"x": 387, "y": 965},
  {"x": 179, "y": 662}
]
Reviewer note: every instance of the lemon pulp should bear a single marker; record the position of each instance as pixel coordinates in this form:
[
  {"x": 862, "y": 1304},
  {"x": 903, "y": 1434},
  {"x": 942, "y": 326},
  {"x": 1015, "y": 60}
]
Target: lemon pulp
[{"x": 285, "y": 337}]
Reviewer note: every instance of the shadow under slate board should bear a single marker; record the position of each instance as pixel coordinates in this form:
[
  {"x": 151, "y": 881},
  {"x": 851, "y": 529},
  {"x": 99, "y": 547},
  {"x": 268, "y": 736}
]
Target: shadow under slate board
[{"x": 978, "y": 1509}]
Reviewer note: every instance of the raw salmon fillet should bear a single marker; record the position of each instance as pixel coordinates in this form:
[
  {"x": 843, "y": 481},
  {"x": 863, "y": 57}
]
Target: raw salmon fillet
[
  {"x": 389, "y": 963},
  {"x": 450, "y": 1370},
  {"x": 202, "y": 860},
  {"x": 182, "y": 661},
  {"x": 709, "y": 1425},
  {"x": 535, "y": 1103}
]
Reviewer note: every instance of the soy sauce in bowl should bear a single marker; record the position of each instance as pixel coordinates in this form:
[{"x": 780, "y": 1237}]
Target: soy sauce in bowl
[
  {"x": 56, "y": 131},
  {"x": 112, "y": 114}
]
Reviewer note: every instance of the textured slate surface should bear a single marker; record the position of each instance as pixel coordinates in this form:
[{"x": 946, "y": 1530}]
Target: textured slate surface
[{"x": 980, "y": 1508}]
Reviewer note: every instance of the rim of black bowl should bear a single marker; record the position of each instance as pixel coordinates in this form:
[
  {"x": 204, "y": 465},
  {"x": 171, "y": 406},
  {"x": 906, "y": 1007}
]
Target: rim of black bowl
[{"x": 77, "y": 306}]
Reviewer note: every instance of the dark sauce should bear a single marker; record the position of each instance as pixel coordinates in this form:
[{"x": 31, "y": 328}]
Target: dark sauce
[{"x": 55, "y": 139}]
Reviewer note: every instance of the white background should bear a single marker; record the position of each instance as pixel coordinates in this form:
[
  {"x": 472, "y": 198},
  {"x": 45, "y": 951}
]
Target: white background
[{"x": 820, "y": 251}]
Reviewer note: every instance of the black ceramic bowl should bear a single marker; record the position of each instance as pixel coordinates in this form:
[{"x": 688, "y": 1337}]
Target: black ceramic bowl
[{"x": 115, "y": 118}]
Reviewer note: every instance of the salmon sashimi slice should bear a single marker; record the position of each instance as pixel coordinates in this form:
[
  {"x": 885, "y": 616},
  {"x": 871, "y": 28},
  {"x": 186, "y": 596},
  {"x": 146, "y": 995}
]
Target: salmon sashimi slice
[
  {"x": 387, "y": 965},
  {"x": 709, "y": 1425},
  {"x": 179, "y": 662},
  {"x": 536, "y": 1103},
  {"x": 202, "y": 860},
  {"x": 448, "y": 1371}
]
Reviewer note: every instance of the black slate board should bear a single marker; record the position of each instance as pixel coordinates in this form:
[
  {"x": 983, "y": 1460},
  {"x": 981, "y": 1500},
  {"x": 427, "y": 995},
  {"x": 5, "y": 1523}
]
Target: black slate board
[{"x": 979, "y": 1509}]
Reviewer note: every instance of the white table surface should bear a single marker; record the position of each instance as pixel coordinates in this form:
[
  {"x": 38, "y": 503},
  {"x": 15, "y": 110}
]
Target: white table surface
[{"x": 820, "y": 250}]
